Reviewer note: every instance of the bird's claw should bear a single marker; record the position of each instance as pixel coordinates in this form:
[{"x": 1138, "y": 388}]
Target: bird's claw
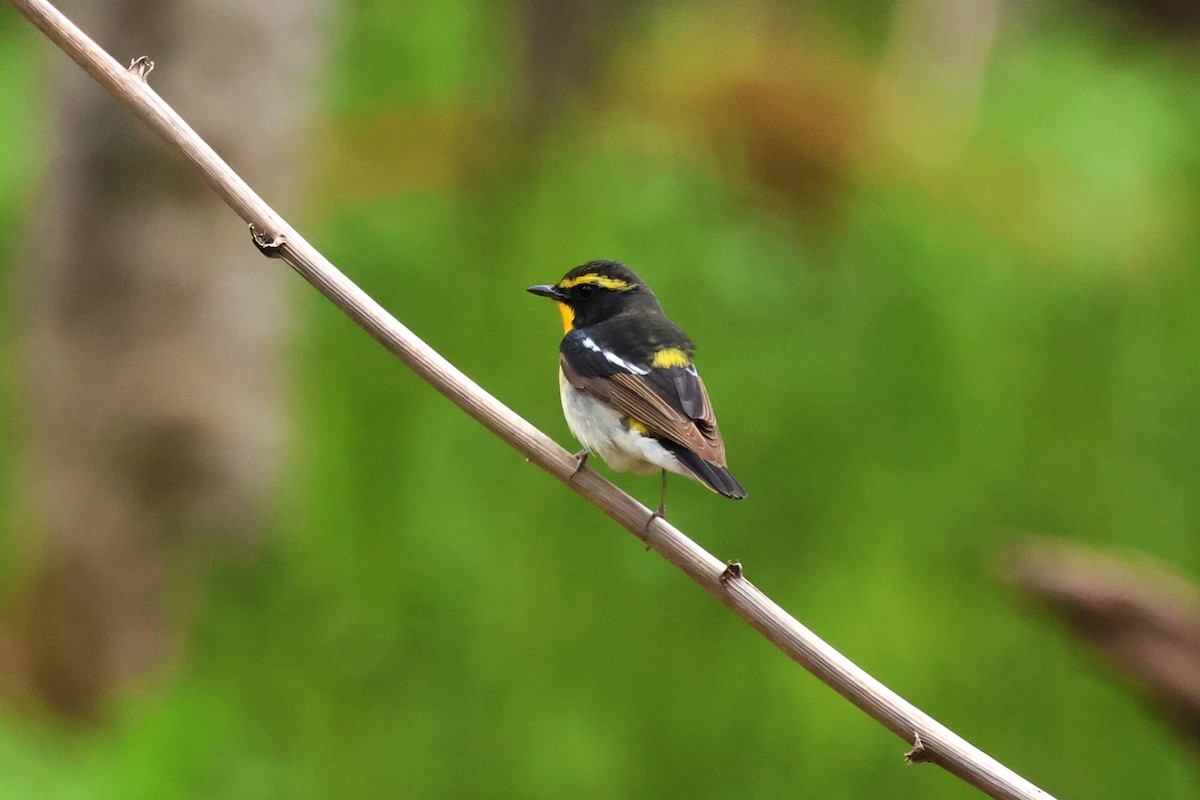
[
  {"x": 659, "y": 513},
  {"x": 580, "y": 461}
]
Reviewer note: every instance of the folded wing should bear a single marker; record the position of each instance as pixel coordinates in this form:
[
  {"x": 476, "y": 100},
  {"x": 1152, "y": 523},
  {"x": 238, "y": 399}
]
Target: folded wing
[{"x": 670, "y": 401}]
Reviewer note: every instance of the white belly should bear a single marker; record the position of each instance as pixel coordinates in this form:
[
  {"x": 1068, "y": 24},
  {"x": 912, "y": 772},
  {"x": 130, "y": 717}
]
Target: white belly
[{"x": 601, "y": 430}]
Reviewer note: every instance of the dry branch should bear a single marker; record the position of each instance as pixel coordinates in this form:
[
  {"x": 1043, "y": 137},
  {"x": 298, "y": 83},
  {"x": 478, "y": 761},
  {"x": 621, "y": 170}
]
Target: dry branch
[
  {"x": 1135, "y": 613},
  {"x": 937, "y": 744}
]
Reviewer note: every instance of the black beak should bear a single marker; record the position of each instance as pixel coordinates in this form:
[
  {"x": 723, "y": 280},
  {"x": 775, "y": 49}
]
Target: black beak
[{"x": 548, "y": 290}]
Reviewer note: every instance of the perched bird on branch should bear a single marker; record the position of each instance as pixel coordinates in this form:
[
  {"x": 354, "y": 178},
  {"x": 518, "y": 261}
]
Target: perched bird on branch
[{"x": 629, "y": 385}]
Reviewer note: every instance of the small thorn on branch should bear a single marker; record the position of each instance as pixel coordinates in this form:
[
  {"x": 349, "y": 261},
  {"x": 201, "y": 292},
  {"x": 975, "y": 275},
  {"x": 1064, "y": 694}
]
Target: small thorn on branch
[
  {"x": 271, "y": 248},
  {"x": 920, "y": 753},
  {"x": 141, "y": 66},
  {"x": 733, "y": 571}
]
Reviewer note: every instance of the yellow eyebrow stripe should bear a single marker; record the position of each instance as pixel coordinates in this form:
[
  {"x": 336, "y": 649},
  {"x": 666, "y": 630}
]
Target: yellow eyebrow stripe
[
  {"x": 670, "y": 357},
  {"x": 603, "y": 282}
]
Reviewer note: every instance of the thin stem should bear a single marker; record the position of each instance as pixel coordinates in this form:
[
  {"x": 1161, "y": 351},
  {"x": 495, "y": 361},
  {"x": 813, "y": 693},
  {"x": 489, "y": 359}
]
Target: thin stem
[{"x": 935, "y": 742}]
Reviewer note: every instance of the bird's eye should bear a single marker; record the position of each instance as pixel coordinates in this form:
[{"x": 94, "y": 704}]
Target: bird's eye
[{"x": 585, "y": 291}]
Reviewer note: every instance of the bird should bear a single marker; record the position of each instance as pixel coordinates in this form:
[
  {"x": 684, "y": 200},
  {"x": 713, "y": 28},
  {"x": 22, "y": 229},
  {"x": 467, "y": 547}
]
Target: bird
[{"x": 628, "y": 381}]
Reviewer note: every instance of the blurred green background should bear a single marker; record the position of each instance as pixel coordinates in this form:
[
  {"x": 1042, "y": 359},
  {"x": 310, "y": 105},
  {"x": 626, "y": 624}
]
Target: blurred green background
[{"x": 939, "y": 302}]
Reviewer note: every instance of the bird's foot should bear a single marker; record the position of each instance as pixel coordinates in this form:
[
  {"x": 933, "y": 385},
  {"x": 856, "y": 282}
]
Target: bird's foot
[
  {"x": 659, "y": 513},
  {"x": 580, "y": 461}
]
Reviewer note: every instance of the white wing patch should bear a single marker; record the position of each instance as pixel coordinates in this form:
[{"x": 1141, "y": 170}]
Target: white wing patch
[
  {"x": 613, "y": 358},
  {"x": 616, "y": 360}
]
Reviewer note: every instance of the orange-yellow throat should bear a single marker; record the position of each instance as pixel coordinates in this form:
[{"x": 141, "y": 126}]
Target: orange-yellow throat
[{"x": 568, "y": 315}]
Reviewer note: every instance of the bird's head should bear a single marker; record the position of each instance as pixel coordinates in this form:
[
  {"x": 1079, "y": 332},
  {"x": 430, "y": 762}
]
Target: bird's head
[{"x": 596, "y": 291}]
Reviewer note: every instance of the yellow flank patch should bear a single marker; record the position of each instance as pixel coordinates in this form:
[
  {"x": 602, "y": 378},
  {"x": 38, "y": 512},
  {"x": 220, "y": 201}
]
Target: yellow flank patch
[
  {"x": 670, "y": 357},
  {"x": 603, "y": 282},
  {"x": 636, "y": 426},
  {"x": 568, "y": 315}
]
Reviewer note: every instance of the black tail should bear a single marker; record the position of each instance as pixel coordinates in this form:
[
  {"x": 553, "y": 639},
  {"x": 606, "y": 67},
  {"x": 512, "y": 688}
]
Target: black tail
[{"x": 716, "y": 478}]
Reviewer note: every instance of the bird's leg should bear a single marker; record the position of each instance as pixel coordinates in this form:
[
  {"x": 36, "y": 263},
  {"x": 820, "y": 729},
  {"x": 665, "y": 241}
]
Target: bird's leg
[
  {"x": 580, "y": 461},
  {"x": 662, "y": 497},
  {"x": 661, "y": 511}
]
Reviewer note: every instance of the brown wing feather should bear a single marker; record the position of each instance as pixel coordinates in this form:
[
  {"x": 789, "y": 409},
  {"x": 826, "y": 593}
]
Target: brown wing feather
[{"x": 635, "y": 396}]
